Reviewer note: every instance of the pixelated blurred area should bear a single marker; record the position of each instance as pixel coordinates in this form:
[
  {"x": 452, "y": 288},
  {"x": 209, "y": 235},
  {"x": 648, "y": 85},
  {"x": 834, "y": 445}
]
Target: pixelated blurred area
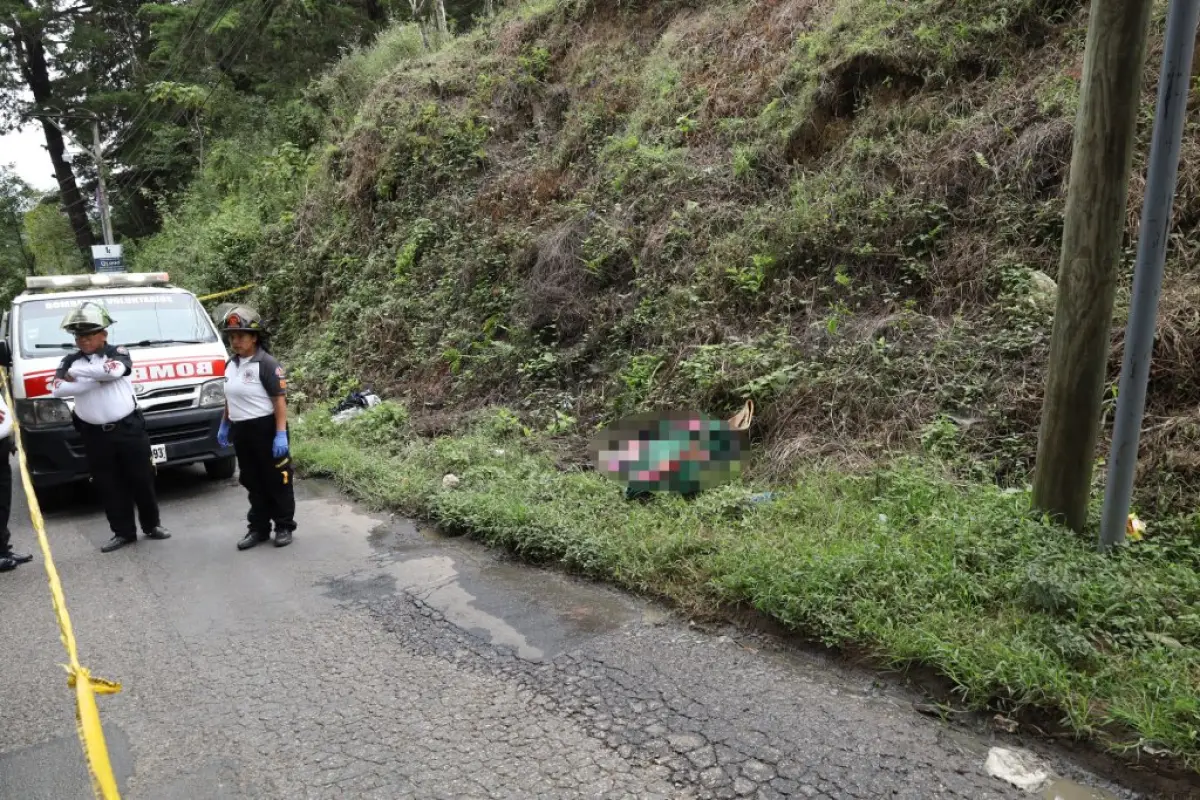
[{"x": 685, "y": 452}]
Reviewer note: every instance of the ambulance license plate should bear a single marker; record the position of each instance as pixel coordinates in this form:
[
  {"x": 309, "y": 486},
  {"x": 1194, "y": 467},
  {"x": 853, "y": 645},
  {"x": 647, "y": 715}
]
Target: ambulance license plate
[{"x": 158, "y": 453}]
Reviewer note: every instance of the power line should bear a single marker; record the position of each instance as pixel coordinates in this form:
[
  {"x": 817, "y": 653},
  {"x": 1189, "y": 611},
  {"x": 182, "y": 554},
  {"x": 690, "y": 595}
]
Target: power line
[
  {"x": 266, "y": 6},
  {"x": 175, "y": 115},
  {"x": 172, "y": 64},
  {"x": 176, "y": 63}
]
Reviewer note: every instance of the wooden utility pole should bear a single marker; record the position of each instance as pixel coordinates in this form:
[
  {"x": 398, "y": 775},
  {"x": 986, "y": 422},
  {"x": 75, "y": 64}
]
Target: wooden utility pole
[{"x": 1087, "y": 274}]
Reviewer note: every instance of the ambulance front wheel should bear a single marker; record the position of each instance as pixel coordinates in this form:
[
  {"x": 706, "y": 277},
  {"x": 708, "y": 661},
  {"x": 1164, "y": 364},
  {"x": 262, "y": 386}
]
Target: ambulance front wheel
[{"x": 221, "y": 469}]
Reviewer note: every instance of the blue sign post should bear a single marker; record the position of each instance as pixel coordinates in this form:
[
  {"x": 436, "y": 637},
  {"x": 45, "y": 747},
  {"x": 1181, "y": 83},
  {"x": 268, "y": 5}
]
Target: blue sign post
[{"x": 107, "y": 258}]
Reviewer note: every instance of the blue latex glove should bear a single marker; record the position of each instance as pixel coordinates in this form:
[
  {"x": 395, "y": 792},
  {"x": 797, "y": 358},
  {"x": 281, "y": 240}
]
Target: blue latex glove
[
  {"x": 280, "y": 448},
  {"x": 223, "y": 433}
]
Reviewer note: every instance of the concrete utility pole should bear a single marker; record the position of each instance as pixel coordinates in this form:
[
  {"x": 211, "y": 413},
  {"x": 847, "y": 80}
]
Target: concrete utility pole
[
  {"x": 1087, "y": 275},
  {"x": 1174, "y": 86},
  {"x": 98, "y": 155}
]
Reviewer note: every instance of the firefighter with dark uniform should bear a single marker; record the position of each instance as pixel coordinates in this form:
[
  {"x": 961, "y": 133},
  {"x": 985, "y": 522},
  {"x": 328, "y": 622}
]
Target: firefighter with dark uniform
[
  {"x": 256, "y": 423},
  {"x": 111, "y": 425}
]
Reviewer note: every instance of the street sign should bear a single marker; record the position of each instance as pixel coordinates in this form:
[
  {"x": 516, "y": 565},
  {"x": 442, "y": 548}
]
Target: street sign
[{"x": 107, "y": 258}]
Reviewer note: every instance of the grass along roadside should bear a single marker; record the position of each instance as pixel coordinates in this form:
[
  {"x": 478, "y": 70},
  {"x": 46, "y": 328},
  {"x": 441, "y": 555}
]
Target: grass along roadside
[{"x": 900, "y": 562}]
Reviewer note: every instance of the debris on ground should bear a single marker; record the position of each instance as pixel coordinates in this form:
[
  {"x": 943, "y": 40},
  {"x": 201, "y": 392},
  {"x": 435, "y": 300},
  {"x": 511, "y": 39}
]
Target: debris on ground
[
  {"x": 1135, "y": 529},
  {"x": 1005, "y": 724},
  {"x": 354, "y": 404},
  {"x": 1017, "y": 767},
  {"x": 450, "y": 481}
]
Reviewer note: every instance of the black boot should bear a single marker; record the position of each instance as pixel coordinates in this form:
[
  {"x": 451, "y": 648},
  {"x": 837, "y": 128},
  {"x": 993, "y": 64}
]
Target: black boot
[
  {"x": 8, "y": 553},
  {"x": 283, "y": 538},
  {"x": 158, "y": 532},
  {"x": 20, "y": 558},
  {"x": 116, "y": 543},
  {"x": 7, "y": 564},
  {"x": 253, "y": 539}
]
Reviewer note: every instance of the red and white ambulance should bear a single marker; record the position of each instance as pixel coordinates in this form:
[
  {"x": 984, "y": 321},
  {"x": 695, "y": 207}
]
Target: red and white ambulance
[{"x": 178, "y": 370}]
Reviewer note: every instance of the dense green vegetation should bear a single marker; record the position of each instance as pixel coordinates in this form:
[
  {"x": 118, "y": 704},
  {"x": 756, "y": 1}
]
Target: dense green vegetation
[
  {"x": 856, "y": 233},
  {"x": 848, "y": 211}
]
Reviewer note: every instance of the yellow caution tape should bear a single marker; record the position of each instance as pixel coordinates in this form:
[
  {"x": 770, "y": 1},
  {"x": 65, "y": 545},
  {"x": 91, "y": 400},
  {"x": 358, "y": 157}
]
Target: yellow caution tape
[
  {"x": 208, "y": 297},
  {"x": 87, "y": 716}
]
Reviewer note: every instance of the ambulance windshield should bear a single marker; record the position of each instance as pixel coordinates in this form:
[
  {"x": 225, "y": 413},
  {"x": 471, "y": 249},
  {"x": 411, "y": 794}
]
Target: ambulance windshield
[{"x": 139, "y": 320}]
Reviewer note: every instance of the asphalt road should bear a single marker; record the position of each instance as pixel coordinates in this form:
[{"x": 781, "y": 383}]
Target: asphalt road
[{"x": 371, "y": 660}]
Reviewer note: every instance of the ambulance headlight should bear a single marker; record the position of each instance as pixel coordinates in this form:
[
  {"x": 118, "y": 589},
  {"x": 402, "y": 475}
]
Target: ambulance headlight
[
  {"x": 212, "y": 394},
  {"x": 43, "y": 413}
]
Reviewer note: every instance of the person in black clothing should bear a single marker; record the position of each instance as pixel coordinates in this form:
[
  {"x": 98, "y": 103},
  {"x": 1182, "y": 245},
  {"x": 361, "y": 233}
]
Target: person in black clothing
[
  {"x": 9, "y": 560},
  {"x": 256, "y": 423}
]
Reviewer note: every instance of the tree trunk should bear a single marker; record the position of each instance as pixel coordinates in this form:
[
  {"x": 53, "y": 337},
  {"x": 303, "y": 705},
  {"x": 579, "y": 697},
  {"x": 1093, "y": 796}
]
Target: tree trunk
[
  {"x": 32, "y": 57},
  {"x": 418, "y": 6},
  {"x": 439, "y": 7},
  {"x": 376, "y": 12},
  {"x": 1087, "y": 279}
]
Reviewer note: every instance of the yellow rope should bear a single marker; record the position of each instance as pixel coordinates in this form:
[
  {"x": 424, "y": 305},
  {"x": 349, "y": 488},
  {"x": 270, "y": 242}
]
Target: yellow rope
[{"x": 87, "y": 715}]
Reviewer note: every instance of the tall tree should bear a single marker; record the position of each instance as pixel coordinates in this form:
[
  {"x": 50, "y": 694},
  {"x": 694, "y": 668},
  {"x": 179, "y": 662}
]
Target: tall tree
[
  {"x": 16, "y": 260},
  {"x": 210, "y": 65},
  {"x": 49, "y": 235},
  {"x": 31, "y": 31}
]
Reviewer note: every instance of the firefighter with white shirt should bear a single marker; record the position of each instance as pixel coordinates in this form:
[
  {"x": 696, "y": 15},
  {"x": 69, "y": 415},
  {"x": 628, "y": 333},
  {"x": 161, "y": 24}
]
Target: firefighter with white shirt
[
  {"x": 256, "y": 423},
  {"x": 111, "y": 425}
]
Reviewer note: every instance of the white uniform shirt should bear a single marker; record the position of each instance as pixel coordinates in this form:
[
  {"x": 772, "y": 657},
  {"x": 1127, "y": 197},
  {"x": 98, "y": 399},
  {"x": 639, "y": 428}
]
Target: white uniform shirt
[
  {"x": 6, "y": 427},
  {"x": 250, "y": 385},
  {"x": 101, "y": 387}
]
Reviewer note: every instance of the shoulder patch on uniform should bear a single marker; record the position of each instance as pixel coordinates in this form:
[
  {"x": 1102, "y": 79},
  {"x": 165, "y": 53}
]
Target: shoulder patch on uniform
[
  {"x": 279, "y": 372},
  {"x": 123, "y": 350}
]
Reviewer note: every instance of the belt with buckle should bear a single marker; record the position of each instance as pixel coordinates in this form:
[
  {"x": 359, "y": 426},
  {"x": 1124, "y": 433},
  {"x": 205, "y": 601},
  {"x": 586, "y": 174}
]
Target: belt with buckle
[{"x": 107, "y": 427}]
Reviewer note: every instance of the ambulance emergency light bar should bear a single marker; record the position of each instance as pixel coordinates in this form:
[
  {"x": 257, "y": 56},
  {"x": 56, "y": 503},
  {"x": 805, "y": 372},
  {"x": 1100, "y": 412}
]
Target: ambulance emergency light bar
[{"x": 90, "y": 280}]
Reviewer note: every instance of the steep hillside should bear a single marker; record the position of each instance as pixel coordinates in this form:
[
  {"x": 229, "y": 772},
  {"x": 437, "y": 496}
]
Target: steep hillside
[
  {"x": 836, "y": 207},
  {"x": 847, "y": 210}
]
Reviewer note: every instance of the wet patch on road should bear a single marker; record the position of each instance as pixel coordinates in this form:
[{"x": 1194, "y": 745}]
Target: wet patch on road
[
  {"x": 536, "y": 613},
  {"x": 1069, "y": 790}
]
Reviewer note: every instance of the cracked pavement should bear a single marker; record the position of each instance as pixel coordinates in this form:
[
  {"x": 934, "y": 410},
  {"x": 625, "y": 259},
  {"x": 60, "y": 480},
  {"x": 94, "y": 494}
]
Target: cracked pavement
[{"x": 374, "y": 660}]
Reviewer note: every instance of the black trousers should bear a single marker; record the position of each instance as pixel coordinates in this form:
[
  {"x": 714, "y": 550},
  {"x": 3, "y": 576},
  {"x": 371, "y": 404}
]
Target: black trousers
[
  {"x": 267, "y": 479},
  {"x": 121, "y": 467},
  {"x": 5, "y": 493}
]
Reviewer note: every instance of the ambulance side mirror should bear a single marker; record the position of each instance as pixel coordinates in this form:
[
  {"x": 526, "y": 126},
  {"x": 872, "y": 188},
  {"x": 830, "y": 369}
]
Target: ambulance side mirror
[{"x": 5, "y": 354}]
